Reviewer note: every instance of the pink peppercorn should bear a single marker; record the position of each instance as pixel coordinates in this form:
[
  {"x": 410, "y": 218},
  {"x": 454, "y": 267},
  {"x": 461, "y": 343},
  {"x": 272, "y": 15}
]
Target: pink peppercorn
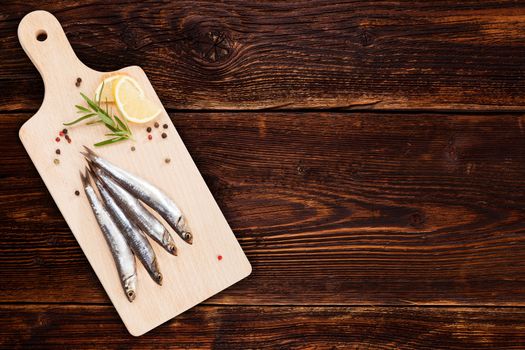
[
  {"x": 219, "y": 257},
  {"x": 57, "y": 139},
  {"x": 150, "y": 137}
]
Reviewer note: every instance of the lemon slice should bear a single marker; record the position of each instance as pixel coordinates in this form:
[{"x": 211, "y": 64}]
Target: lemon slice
[
  {"x": 107, "y": 94},
  {"x": 131, "y": 102}
]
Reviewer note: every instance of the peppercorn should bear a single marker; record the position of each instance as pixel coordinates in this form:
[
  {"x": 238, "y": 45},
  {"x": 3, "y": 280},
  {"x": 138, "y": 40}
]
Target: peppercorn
[
  {"x": 150, "y": 137},
  {"x": 68, "y": 139},
  {"x": 164, "y": 135},
  {"x": 148, "y": 129},
  {"x": 77, "y": 193},
  {"x": 167, "y": 160},
  {"x": 77, "y": 83},
  {"x": 57, "y": 139},
  {"x": 64, "y": 131},
  {"x": 156, "y": 125},
  {"x": 165, "y": 126},
  {"x": 133, "y": 148},
  {"x": 56, "y": 161},
  {"x": 57, "y": 151}
]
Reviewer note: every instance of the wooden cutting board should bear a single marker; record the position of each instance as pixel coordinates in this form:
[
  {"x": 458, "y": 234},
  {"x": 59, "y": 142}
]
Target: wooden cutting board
[{"x": 214, "y": 262}]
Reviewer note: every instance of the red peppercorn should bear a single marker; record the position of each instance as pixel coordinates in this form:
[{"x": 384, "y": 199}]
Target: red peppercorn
[
  {"x": 150, "y": 137},
  {"x": 61, "y": 133},
  {"x": 57, "y": 139},
  {"x": 219, "y": 257},
  {"x": 68, "y": 139}
]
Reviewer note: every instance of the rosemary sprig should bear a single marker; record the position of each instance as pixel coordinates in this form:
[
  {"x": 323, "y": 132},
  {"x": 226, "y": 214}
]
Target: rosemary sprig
[{"x": 120, "y": 130}]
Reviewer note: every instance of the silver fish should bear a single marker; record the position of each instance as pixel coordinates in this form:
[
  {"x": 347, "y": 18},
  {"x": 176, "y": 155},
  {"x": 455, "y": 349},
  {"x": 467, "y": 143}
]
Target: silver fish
[
  {"x": 138, "y": 242},
  {"x": 120, "y": 250},
  {"x": 148, "y": 223},
  {"x": 146, "y": 192}
]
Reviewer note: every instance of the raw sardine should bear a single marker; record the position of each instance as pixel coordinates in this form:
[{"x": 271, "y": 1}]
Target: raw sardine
[
  {"x": 146, "y": 192},
  {"x": 120, "y": 250},
  {"x": 137, "y": 241},
  {"x": 148, "y": 223}
]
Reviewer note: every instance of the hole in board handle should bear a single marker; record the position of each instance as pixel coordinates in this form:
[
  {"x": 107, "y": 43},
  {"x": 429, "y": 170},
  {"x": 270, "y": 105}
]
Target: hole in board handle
[{"x": 41, "y": 35}]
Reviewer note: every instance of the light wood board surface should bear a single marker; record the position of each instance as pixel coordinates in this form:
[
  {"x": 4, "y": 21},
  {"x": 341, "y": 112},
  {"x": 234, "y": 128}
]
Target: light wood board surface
[{"x": 189, "y": 278}]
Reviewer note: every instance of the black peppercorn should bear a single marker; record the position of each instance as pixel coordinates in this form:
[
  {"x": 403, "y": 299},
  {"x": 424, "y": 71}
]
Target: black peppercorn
[
  {"x": 156, "y": 125},
  {"x": 165, "y": 126},
  {"x": 164, "y": 135},
  {"x": 148, "y": 129}
]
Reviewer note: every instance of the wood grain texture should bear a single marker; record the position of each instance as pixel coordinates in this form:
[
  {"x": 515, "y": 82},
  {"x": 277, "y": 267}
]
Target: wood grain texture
[
  {"x": 330, "y": 208},
  {"x": 291, "y": 54},
  {"x": 241, "y": 327}
]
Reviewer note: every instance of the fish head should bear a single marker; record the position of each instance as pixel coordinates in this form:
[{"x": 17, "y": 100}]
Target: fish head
[
  {"x": 168, "y": 242},
  {"x": 130, "y": 287},
  {"x": 184, "y": 230}
]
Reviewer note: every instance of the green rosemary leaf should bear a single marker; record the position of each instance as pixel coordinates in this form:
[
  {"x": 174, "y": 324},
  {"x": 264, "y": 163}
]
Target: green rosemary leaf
[
  {"x": 87, "y": 116},
  {"x": 121, "y": 123},
  {"x": 119, "y": 128},
  {"x": 90, "y": 103},
  {"x": 95, "y": 122},
  {"x": 82, "y": 109},
  {"x": 101, "y": 89},
  {"x": 111, "y": 127},
  {"x": 109, "y": 141},
  {"x": 118, "y": 133}
]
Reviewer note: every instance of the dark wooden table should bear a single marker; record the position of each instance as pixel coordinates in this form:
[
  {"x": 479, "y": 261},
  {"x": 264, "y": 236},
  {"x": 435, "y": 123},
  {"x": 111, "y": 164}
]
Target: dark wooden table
[{"x": 369, "y": 156}]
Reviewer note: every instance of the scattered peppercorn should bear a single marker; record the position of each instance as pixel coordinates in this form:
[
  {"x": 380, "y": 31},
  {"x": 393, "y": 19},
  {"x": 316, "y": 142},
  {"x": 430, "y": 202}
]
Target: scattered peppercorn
[
  {"x": 164, "y": 135},
  {"x": 167, "y": 160},
  {"x": 57, "y": 151},
  {"x": 150, "y": 137},
  {"x": 133, "y": 148},
  {"x": 56, "y": 161},
  {"x": 77, "y": 83},
  {"x": 148, "y": 129},
  {"x": 68, "y": 139},
  {"x": 165, "y": 126},
  {"x": 77, "y": 193},
  {"x": 57, "y": 139},
  {"x": 219, "y": 257},
  {"x": 64, "y": 131},
  {"x": 156, "y": 125},
  {"x": 60, "y": 133}
]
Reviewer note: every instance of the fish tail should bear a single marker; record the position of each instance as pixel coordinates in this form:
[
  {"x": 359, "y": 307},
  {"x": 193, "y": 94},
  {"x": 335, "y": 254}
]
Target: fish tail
[
  {"x": 85, "y": 177},
  {"x": 90, "y": 170}
]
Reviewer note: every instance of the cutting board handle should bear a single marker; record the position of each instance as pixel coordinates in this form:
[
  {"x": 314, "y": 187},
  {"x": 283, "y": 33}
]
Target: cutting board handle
[{"x": 46, "y": 44}]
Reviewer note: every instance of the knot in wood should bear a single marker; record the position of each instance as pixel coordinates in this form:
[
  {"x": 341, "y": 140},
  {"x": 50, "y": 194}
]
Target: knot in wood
[
  {"x": 210, "y": 45},
  {"x": 417, "y": 220},
  {"x": 365, "y": 37}
]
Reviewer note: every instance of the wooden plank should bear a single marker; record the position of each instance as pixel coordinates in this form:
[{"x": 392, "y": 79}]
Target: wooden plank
[
  {"x": 242, "y": 327},
  {"x": 330, "y": 208},
  {"x": 196, "y": 273},
  {"x": 291, "y": 54}
]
